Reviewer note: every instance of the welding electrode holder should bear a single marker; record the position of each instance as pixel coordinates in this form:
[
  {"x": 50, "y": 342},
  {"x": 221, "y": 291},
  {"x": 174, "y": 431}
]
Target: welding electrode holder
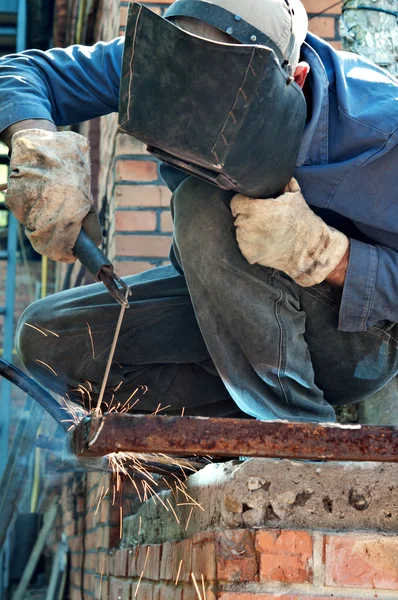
[{"x": 95, "y": 261}]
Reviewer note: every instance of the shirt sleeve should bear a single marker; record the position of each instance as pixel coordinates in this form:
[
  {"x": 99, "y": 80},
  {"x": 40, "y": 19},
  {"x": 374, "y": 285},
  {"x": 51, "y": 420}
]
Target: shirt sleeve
[
  {"x": 370, "y": 292},
  {"x": 63, "y": 85}
]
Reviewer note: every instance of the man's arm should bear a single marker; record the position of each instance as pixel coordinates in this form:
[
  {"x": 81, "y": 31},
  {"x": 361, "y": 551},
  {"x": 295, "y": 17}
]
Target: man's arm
[
  {"x": 6, "y": 135},
  {"x": 59, "y": 86},
  {"x": 338, "y": 275}
]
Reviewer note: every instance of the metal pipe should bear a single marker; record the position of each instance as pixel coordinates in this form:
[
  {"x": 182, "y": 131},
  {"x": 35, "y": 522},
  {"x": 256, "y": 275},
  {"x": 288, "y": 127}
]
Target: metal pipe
[
  {"x": 35, "y": 391},
  {"x": 187, "y": 436}
]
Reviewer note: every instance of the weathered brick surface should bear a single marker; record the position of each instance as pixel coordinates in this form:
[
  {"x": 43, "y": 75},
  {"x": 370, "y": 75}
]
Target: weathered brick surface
[
  {"x": 142, "y": 195},
  {"x": 237, "y": 560},
  {"x": 135, "y": 220},
  {"x": 120, "y": 562},
  {"x": 362, "y": 561},
  {"x": 204, "y": 555},
  {"x": 285, "y": 556},
  {"x": 136, "y": 170},
  {"x": 323, "y": 27},
  {"x": 156, "y": 246},
  {"x": 166, "y": 221},
  {"x": 255, "y": 596}
]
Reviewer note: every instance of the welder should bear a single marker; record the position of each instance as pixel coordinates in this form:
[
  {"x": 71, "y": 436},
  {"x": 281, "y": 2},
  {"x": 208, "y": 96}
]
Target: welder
[{"x": 278, "y": 306}]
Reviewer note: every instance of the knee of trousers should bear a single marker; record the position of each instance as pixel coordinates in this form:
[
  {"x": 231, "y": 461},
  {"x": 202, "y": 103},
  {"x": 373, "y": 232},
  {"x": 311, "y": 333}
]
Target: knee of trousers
[{"x": 202, "y": 218}]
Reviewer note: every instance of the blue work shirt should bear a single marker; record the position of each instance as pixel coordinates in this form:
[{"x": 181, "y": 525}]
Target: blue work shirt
[{"x": 347, "y": 166}]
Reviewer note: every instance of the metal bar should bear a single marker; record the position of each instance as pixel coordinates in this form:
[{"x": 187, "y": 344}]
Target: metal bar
[
  {"x": 187, "y": 436},
  {"x": 59, "y": 413},
  {"x": 21, "y": 26}
]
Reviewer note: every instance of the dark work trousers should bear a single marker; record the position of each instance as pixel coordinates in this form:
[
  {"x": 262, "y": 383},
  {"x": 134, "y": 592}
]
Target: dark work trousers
[{"x": 226, "y": 339}]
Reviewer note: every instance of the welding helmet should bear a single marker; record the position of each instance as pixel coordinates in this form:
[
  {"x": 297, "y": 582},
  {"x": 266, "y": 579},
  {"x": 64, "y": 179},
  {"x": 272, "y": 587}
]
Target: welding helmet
[{"x": 229, "y": 113}]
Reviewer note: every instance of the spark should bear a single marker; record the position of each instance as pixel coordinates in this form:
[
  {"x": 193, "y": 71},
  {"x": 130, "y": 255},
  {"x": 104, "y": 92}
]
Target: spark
[
  {"x": 158, "y": 410},
  {"x": 143, "y": 571},
  {"x": 189, "y": 518},
  {"x": 112, "y": 352},
  {"x": 182, "y": 411},
  {"x": 190, "y": 498},
  {"x": 100, "y": 585},
  {"x": 139, "y": 525},
  {"x": 52, "y": 332},
  {"x": 178, "y": 572},
  {"x": 48, "y": 366},
  {"x": 130, "y": 397},
  {"x": 118, "y": 387},
  {"x": 173, "y": 511},
  {"x": 91, "y": 339},
  {"x": 102, "y": 496},
  {"x": 37, "y": 329},
  {"x": 203, "y": 587},
  {"x": 196, "y": 586}
]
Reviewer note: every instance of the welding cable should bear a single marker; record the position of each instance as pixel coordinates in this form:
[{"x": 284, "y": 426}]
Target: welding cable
[{"x": 36, "y": 392}]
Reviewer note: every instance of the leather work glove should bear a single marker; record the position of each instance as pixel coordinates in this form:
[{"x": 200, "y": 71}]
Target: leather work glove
[
  {"x": 283, "y": 233},
  {"x": 49, "y": 190}
]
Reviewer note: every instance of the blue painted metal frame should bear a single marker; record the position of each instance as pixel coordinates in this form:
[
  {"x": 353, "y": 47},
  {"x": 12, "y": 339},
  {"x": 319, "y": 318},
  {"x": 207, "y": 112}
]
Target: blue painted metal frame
[
  {"x": 12, "y": 241},
  {"x": 8, "y": 343}
]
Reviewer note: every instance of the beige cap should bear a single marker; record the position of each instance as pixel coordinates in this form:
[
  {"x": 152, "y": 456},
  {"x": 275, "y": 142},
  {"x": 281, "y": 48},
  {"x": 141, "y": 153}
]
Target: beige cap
[{"x": 284, "y": 21}]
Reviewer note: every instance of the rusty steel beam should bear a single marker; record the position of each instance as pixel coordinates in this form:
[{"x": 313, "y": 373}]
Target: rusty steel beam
[{"x": 187, "y": 436}]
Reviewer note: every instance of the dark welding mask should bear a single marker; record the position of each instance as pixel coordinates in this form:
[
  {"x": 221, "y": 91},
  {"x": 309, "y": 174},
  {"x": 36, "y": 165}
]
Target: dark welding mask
[{"x": 230, "y": 114}]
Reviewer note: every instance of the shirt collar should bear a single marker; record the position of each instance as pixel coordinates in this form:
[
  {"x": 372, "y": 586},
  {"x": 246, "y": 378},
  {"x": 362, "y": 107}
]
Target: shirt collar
[{"x": 314, "y": 145}]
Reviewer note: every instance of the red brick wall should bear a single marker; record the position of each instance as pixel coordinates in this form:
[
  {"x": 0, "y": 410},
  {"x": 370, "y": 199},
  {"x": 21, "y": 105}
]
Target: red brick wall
[
  {"x": 255, "y": 565},
  {"x": 89, "y": 516}
]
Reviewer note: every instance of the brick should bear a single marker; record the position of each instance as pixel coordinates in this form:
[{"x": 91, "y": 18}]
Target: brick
[
  {"x": 119, "y": 589},
  {"x": 168, "y": 563},
  {"x": 145, "y": 591},
  {"x": 135, "y": 220},
  {"x": 90, "y": 561},
  {"x": 250, "y": 596},
  {"x": 123, "y": 16},
  {"x": 132, "y": 562},
  {"x": 124, "y": 268},
  {"x": 136, "y": 170},
  {"x": 155, "y": 246},
  {"x": 323, "y": 27},
  {"x": 89, "y": 583},
  {"x": 142, "y": 195},
  {"x": 75, "y": 593},
  {"x": 204, "y": 555},
  {"x": 170, "y": 592},
  {"x": 101, "y": 588},
  {"x": 236, "y": 556},
  {"x": 102, "y": 563},
  {"x": 316, "y": 6},
  {"x": 183, "y": 552},
  {"x": 120, "y": 564},
  {"x": 285, "y": 556},
  {"x": 76, "y": 544},
  {"x": 166, "y": 221},
  {"x": 337, "y": 45},
  {"x": 127, "y": 144},
  {"x": 362, "y": 561},
  {"x": 152, "y": 570}
]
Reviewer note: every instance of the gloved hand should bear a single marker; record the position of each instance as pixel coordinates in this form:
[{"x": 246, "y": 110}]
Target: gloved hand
[
  {"x": 283, "y": 233},
  {"x": 49, "y": 190}
]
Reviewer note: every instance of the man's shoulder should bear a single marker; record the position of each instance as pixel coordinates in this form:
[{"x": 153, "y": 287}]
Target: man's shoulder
[{"x": 362, "y": 90}]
